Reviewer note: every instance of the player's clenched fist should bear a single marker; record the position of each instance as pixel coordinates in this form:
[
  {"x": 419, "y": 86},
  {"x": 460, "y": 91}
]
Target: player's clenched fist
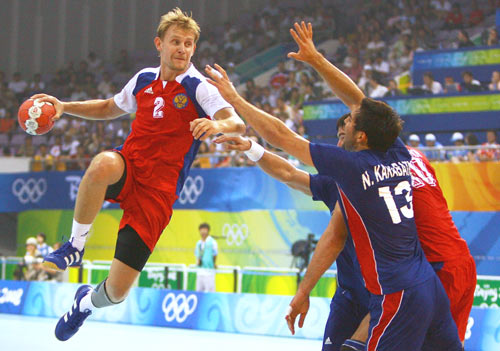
[{"x": 202, "y": 128}]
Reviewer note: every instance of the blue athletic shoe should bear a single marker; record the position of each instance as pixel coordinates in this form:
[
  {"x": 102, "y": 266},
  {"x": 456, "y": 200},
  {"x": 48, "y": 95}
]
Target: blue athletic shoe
[
  {"x": 65, "y": 256},
  {"x": 69, "y": 324}
]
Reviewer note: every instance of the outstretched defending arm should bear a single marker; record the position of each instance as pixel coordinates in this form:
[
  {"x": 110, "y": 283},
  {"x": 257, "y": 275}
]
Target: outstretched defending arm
[
  {"x": 339, "y": 82},
  {"x": 269, "y": 127},
  {"x": 274, "y": 165},
  {"x": 326, "y": 252}
]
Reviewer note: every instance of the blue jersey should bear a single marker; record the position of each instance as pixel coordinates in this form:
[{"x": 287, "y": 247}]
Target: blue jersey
[
  {"x": 324, "y": 188},
  {"x": 375, "y": 194}
]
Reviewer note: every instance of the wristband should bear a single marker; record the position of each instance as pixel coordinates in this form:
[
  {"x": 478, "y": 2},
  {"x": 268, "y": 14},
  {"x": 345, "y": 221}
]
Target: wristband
[{"x": 255, "y": 152}]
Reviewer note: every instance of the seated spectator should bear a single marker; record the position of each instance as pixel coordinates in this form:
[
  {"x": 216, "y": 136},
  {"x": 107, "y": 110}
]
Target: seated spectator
[
  {"x": 476, "y": 16},
  {"x": 433, "y": 155},
  {"x": 56, "y": 149},
  {"x": 454, "y": 19},
  {"x": 104, "y": 86},
  {"x": 364, "y": 81},
  {"x": 381, "y": 66},
  {"x": 280, "y": 77},
  {"x": 36, "y": 85},
  {"x": 69, "y": 146},
  {"x": 376, "y": 45},
  {"x": 377, "y": 90},
  {"x": 495, "y": 81},
  {"x": 341, "y": 52},
  {"x": 492, "y": 37},
  {"x": 461, "y": 154},
  {"x": 124, "y": 129},
  {"x": 471, "y": 140},
  {"x": 43, "y": 161},
  {"x": 463, "y": 39},
  {"x": 442, "y": 7},
  {"x": 470, "y": 84},
  {"x": 124, "y": 64},
  {"x": 43, "y": 248},
  {"x": 233, "y": 75},
  {"x": 431, "y": 85},
  {"x": 202, "y": 161},
  {"x": 414, "y": 141},
  {"x": 94, "y": 63},
  {"x": 450, "y": 86},
  {"x": 393, "y": 89},
  {"x": 33, "y": 262},
  {"x": 355, "y": 70},
  {"x": 487, "y": 153},
  {"x": 79, "y": 93},
  {"x": 18, "y": 86},
  {"x": 27, "y": 149}
]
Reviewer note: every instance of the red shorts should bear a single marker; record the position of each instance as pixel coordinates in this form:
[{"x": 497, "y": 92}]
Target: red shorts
[
  {"x": 459, "y": 279},
  {"x": 146, "y": 209}
]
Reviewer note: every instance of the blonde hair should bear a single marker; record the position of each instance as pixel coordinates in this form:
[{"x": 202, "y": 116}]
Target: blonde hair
[{"x": 178, "y": 18}]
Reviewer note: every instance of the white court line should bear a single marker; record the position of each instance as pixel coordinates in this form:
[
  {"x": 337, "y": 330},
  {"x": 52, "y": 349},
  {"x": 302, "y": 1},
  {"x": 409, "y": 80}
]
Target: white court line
[{"x": 36, "y": 333}]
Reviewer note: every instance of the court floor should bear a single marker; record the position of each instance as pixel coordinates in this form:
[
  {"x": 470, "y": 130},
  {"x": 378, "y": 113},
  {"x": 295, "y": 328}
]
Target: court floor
[{"x": 36, "y": 333}]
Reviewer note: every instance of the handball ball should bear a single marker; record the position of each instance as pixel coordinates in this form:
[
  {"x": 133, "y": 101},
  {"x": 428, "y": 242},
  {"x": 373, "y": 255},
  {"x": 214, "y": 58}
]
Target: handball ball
[{"x": 35, "y": 117}]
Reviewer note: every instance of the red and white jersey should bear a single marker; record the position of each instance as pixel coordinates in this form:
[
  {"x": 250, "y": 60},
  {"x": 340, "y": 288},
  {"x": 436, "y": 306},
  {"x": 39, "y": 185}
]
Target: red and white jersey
[
  {"x": 160, "y": 146},
  {"x": 437, "y": 233}
]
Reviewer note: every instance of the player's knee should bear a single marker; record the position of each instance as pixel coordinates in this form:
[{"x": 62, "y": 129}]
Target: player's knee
[{"x": 105, "y": 168}]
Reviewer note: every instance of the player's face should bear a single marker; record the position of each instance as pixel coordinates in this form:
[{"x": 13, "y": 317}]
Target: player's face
[
  {"x": 349, "y": 140},
  {"x": 176, "y": 48},
  {"x": 341, "y": 137}
]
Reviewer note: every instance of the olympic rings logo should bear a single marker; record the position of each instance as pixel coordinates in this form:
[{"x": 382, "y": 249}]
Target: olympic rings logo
[
  {"x": 235, "y": 234},
  {"x": 30, "y": 190},
  {"x": 192, "y": 189},
  {"x": 178, "y": 307}
]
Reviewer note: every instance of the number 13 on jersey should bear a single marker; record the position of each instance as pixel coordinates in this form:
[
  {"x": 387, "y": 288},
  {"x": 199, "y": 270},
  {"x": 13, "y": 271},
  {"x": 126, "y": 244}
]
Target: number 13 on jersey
[{"x": 407, "y": 210}]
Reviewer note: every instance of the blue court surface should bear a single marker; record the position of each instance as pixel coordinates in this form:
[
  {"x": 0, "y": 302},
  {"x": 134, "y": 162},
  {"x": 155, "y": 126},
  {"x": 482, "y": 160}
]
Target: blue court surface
[{"x": 19, "y": 333}]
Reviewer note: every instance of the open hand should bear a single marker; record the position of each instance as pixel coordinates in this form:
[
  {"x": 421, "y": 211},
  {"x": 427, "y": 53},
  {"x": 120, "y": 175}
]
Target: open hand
[
  {"x": 298, "y": 306},
  {"x": 220, "y": 80},
  {"x": 202, "y": 128},
  {"x": 59, "y": 107},
  {"x": 303, "y": 37}
]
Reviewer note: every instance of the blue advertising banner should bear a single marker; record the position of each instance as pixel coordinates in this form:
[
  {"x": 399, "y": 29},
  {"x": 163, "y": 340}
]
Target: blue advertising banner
[
  {"x": 228, "y": 189},
  {"x": 236, "y": 313}
]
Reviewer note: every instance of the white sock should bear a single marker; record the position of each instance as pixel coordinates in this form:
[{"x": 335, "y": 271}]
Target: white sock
[
  {"x": 79, "y": 234},
  {"x": 86, "y": 302}
]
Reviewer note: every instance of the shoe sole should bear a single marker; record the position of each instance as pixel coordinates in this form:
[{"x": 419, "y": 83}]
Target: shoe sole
[{"x": 52, "y": 265}]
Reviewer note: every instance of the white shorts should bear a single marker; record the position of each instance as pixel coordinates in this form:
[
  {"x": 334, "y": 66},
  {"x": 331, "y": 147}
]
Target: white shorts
[{"x": 205, "y": 280}]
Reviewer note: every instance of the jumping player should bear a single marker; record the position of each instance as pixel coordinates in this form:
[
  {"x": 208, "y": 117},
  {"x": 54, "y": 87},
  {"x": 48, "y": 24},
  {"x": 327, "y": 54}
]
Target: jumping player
[
  {"x": 407, "y": 302},
  {"x": 147, "y": 173}
]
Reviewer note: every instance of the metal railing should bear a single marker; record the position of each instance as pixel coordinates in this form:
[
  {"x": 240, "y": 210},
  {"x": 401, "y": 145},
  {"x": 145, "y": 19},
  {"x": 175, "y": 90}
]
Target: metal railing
[{"x": 236, "y": 271}]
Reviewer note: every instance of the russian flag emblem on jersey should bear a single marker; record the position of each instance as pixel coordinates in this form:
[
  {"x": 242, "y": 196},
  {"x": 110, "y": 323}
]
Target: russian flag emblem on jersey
[{"x": 180, "y": 101}]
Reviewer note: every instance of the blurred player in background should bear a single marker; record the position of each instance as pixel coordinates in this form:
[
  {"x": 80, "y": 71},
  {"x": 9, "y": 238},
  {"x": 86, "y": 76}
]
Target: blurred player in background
[
  {"x": 147, "y": 173},
  {"x": 408, "y": 305}
]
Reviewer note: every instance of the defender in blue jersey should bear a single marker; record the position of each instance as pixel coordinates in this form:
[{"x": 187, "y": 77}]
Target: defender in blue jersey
[
  {"x": 408, "y": 305},
  {"x": 350, "y": 303}
]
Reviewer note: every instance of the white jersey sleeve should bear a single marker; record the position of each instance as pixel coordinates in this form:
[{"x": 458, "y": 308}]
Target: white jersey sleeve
[
  {"x": 210, "y": 99},
  {"x": 125, "y": 99}
]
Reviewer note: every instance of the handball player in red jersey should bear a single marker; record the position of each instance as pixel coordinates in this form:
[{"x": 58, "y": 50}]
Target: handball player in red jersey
[{"x": 176, "y": 109}]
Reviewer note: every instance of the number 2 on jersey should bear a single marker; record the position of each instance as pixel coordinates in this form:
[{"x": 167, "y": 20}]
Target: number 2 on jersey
[
  {"x": 159, "y": 103},
  {"x": 407, "y": 211}
]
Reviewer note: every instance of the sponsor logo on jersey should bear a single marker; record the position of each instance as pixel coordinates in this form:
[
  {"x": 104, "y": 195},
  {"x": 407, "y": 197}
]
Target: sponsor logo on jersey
[{"x": 180, "y": 101}]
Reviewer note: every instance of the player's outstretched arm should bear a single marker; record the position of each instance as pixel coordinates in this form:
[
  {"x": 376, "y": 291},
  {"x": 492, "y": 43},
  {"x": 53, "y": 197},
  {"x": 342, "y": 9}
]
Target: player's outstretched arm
[
  {"x": 274, "y": 165},
  {"x": 339, "y": 82},
  {"x": 269, "y": 127},
  {"x": 326, "y": 252},
  {"x": 90, "y": 109}
]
